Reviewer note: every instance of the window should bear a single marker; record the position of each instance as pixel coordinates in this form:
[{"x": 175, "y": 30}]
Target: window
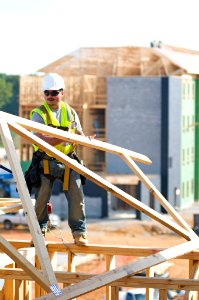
[
  {"x": 192, "y": 186},
  {"x": 187, "y": 123},
  {"x": 183, "y": 123},
  {"x": 192, "y": 154},
  {"x": 187, "y": 188},
  {"x": 193, "y": 123},
  {"x": 183, "y": 156},
  {"x": 183, "y": 190},
  {"x": 187, "y": 155}
]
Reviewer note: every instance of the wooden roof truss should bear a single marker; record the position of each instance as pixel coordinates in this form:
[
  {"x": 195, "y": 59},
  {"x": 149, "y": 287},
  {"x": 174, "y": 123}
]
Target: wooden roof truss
[{"x": 46, "y": 279}]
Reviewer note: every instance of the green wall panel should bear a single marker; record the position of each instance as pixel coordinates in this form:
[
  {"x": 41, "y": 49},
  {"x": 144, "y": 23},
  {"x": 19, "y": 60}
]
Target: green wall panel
[
  {"x": 197, "y": 140},
  {"x": 187, "y": 141}
]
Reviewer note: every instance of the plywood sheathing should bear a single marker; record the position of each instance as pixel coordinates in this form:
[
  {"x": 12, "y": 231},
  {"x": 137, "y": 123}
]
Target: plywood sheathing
[{"x": 126, "y": 61}]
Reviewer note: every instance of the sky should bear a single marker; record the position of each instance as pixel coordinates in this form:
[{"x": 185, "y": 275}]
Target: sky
[{"x": 34, "y": 33}]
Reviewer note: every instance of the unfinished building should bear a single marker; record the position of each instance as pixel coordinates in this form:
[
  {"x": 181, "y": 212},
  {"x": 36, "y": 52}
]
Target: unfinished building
[
  {"x": 88, "y": 72},
  {"x": 85, "y": 73}
]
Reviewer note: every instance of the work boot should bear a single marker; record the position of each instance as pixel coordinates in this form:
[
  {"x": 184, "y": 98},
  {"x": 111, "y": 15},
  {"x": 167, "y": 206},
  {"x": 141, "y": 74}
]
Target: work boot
[
  {"x": 43, "y": 231},
  {"x": 80, "y": 239}
]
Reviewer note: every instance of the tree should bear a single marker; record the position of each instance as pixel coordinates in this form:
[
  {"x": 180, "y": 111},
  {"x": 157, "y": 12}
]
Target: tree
[
  {"x": 9, "y": 98},
  {"x": 5, "y": 91},
  {"x": 9, "y": 93}
]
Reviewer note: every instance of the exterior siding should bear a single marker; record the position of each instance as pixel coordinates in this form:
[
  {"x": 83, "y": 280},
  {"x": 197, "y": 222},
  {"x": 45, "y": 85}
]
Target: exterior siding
[
  {"x": 197, "y": 140},
  {"x": 144, "y": 114},
  {"x": 187, "y": 141},
  {"x": 134, "y": 120},
  {"x": 174, "y": 141}
]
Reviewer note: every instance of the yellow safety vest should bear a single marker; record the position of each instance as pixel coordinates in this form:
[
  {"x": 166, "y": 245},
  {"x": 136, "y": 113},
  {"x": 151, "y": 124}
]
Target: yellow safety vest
[{"x": 67, "y": 123}]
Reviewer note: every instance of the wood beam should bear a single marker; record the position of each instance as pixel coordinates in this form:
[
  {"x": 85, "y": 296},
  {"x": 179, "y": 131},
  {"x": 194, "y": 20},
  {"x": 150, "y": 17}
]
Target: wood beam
[
  {"x": 10, "y": 208},
  {"x": 107, "y": 278},
  {"x": 103, "y": 249},
  {"x": 24, "y": 264},
  {"x": 6, "y": 201},
  {"x": 152, "y": 68},
  {"x": 194, "y": 274},
  {"x": 74, "y": 138},
  {"x": 130, "y": 281},
  {"x": 97, "y": 179},
  {"x": 27, "y": 204},
  {"x": 158, "y": 196}
]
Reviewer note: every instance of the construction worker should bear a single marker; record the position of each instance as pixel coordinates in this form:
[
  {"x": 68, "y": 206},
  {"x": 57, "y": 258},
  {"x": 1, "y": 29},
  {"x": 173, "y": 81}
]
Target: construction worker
[{"x": 56, "y": 113}]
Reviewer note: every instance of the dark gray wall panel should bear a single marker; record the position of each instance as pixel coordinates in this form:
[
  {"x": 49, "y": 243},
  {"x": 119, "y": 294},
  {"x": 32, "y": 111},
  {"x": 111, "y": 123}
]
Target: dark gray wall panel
[
  {"x": 174, "y": 140},
  {"x": 134, "y": 120}
]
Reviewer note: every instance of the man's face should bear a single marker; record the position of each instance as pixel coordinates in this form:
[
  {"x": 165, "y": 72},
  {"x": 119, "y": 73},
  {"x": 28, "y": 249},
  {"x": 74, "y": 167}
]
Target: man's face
[{"x": 53, "y": 98}]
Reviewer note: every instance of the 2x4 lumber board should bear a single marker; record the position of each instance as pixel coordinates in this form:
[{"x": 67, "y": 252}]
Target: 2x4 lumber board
[
  {"x": 27, "y": 203},
  {"x": 115, "y": 250},
  {"x": 6, "y": 201},
  {"x": 107, "y": 278},
  {"x": 19, "y": 243},
  {"x": 157, "y": 283},
  {"x": 98, "y": 180},
  {"x": 24, "y": 263},
  {"x": 194, "y": 274},
  {"x": 114, "y": 293},
  {"x": 71, "y": 262},
  {"x": 158, "y": 196},
  {"x": 163, "y": 294},
  {"x": 8, "y": 290},
  {"x": 110, "y": 265},
  {"x": 101, "y": 249},
  {"x": 129, "y": 281},
  {"x": 74, "y": 138},
  {"x": 10, "y": 208},
  {"x": 152, "y": 68},
  {"x": 149, "y": 292},
  {"x": 105, "y": 249}
]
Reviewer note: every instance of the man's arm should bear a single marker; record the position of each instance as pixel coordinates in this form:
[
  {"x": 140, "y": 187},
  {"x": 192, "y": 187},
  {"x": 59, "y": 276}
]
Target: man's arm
[
  {"x": 52, "y": 140},
  {"x": 79, "y": 127},
  {"x": 49, "y": 139},
  {"x": 82, "y": 133}
]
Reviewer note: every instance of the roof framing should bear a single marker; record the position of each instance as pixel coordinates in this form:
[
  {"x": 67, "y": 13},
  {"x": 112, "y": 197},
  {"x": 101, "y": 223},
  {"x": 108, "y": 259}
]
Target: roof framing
[{"x": 47, "y": 278}]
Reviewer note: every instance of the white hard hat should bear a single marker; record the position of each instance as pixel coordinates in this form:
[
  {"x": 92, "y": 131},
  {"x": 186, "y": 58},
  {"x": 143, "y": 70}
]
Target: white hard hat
[{"x": 53, "y": 81}]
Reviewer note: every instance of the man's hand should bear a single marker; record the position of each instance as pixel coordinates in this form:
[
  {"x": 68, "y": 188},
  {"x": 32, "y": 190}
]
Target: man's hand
[{"x": 91, "y": 136}]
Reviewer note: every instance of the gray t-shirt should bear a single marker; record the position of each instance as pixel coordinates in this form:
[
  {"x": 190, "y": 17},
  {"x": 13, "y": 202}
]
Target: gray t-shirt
[{"x": 57, "y": 114}]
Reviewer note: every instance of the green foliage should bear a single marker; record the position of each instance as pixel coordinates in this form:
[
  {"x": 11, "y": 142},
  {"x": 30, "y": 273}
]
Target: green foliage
[
  {"x": 9, "y": 93},
  {"x": 5, "y": 91},
  {"x": 9, "y": 99}
]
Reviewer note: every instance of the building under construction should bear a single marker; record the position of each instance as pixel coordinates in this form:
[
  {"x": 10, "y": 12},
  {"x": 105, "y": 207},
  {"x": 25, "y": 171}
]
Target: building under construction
[
  {"x": 31, "y": 272},
  {"x": 88, "y": 73}
]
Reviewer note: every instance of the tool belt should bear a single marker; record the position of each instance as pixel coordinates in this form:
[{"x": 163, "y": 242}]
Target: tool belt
[
  {"x": 53, "y": 167},
  {"x": 32, "y": 175}
]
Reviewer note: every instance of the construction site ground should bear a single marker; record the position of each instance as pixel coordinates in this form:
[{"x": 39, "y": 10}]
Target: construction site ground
[{"x": 121, "y": 231}]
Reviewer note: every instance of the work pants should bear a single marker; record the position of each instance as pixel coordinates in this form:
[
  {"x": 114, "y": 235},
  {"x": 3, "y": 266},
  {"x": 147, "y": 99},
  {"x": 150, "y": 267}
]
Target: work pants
[{"x": 74, "y": 196}]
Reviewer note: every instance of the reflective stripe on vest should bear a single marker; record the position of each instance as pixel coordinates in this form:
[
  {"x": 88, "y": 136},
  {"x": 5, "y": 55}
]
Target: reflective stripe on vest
[{"x": 67, "y": 118}]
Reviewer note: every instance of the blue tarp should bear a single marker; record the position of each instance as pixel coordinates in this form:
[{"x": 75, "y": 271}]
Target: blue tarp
[{"x": 6, "y": 176}]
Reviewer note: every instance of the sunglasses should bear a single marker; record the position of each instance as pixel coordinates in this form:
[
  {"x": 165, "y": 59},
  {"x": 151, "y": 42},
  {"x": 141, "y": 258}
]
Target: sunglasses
[{"x": 52, "y": 93}]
